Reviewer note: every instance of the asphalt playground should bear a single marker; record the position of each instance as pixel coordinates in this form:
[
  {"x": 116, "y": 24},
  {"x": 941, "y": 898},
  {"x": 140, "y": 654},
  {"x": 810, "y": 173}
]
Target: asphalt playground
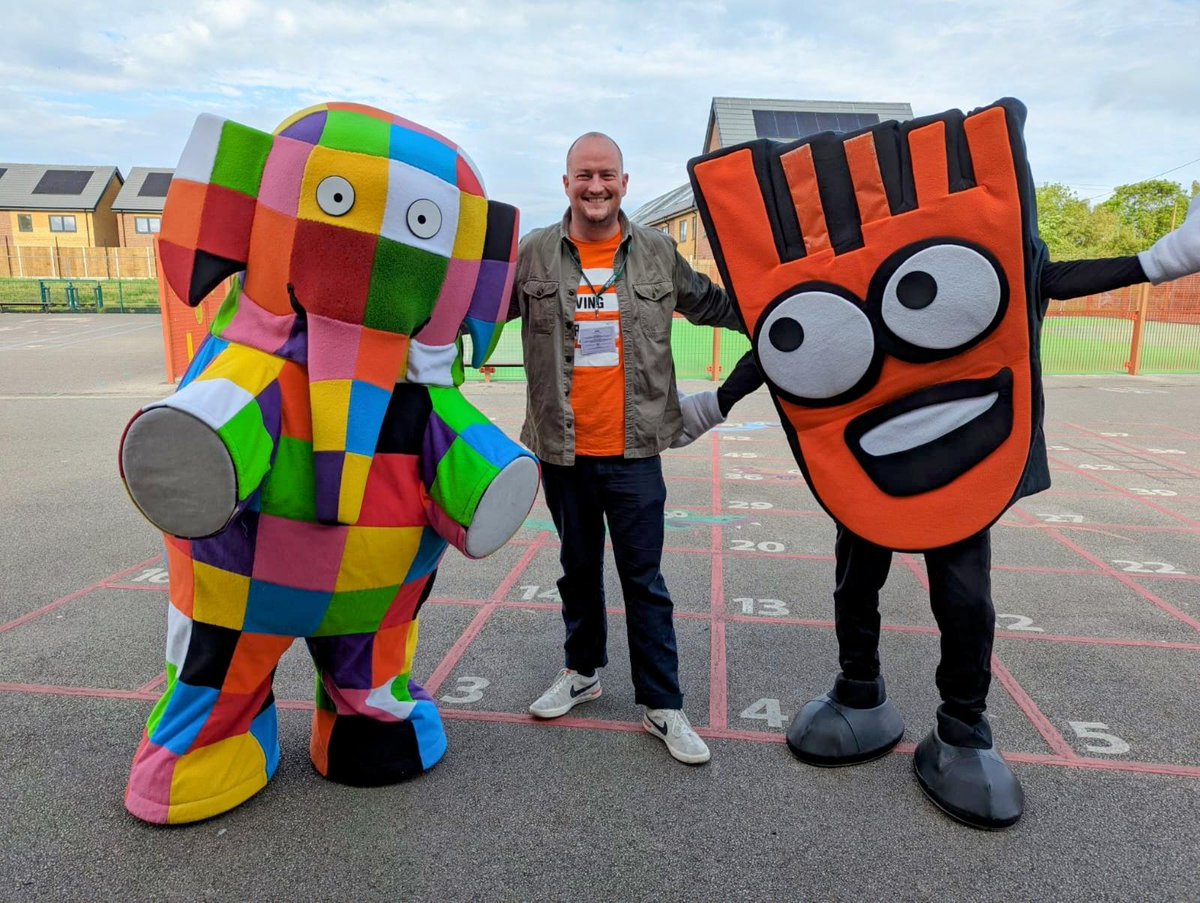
[{"x": 1094, "y": 701}]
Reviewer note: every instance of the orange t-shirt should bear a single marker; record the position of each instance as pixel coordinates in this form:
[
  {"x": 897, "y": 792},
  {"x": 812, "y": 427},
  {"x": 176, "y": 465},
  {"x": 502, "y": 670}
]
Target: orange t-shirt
[{"x": 598, "y": 387}]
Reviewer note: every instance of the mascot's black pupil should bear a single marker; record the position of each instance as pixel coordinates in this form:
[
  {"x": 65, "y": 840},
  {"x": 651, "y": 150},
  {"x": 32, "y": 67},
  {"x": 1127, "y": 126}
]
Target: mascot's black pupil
[
  {"x": 337, "y": 198},
  {"x": 916, "y": 289},
  {"x": 421, "y": 219},
  {"x": 786, "y": 334}
]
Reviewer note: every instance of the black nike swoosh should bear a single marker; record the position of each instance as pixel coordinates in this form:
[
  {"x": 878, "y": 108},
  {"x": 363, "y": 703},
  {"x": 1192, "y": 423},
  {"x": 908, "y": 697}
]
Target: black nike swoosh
[
  {"x": 583, "y": 690},
  {"x": 661, "y": 727}
]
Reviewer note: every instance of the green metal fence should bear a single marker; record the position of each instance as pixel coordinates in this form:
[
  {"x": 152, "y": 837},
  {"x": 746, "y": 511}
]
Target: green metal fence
[{"x": 79, "y": 295}]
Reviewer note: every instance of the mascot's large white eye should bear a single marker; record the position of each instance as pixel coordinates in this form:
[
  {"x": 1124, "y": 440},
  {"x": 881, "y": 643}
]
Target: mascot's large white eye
[
  {"x": 424, "y": 218},
  {"x": 816, "y": 345},
  {"x": 942, "y": 297},
  {"x": 335, "y": 195}
]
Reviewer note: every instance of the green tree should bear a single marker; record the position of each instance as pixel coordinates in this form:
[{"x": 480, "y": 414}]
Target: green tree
[
  {"x": 1065, "y": 222},
  {"x": 1145, "y": 211}
]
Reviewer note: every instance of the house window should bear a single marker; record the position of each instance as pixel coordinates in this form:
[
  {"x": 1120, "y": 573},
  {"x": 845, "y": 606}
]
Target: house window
[
  {"x": 683, "y": 224},
  {"x": 666, "y": 228},
  {"x": 62, "y": 224},
  {"x": 146, "y": 225},
  {"x": 24, "y": 222}
]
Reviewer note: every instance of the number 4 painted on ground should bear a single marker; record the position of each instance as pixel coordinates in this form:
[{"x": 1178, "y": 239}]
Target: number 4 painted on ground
[{"x": 764, "y": 710}]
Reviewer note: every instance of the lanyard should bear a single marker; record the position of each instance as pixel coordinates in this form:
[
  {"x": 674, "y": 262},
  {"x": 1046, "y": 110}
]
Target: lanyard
[{"x": 608, "y": 283}]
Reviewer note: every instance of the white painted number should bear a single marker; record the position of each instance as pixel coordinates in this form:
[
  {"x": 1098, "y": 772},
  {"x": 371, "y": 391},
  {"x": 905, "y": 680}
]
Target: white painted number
[
  {"x": 1062, "y": 518},
  {"x": 1154, "y": 491},
  {"x": 764, "y": 710},
  {"x": 740, "y": 455},
  {"x": 1058, "y": 447},
  {"x": 1144, "y": 567},
  {"x": 1020, "y": 622},
  {"x": 755, "y": 506},
  {"x": 1114, "y": 434},
  {"x": 152, "y": 575},
  {"x": 735, "y": 438},
  {"x": 743, "y": 476},
  {"x": 748, "y": 545},
  {"x": 1166, "y": 451},
  {"x": 530, "y": 592},
  {"x": 1096, "y": 730},
  {"x": 1098, "y": 467},
  {"x": 674, "y": 515},
  {"x": 470, "y": 689},
  {"x": 774, "y": 607}
]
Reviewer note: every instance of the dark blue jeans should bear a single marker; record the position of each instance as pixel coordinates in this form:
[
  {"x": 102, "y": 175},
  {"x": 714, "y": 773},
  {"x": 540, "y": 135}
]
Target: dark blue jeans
[{"x": 630, "y": 494}]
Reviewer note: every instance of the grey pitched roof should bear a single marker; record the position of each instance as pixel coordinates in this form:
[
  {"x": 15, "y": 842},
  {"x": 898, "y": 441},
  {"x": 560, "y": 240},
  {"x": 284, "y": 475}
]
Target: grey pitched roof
[
  {"x": 665, "y": 206},
  {"x": 734, "y": 119},
  {"x": 734, "y": 116},
  {"x": 18, "y": 184},
  {"x": 136, "y": 196}
]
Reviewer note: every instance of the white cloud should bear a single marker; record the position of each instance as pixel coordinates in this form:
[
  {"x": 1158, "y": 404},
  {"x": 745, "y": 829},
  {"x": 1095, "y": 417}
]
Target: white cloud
[{"x": 1110, "y": 84}]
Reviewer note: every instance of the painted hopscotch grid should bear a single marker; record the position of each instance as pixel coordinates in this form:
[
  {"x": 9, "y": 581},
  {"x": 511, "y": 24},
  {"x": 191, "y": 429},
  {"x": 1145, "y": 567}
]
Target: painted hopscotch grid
[{"x": 1146, "y": 467}]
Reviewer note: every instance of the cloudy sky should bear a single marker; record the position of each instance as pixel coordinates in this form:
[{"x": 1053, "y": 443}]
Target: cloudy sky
[{"x": 1112, "y": 86}]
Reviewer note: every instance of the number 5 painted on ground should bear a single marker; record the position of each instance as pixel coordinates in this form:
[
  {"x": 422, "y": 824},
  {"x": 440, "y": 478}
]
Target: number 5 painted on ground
[{"x": 1097, "y": 730}]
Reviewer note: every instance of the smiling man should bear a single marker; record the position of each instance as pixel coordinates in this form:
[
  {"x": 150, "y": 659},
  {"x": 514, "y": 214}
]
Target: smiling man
[{"x": 596, "y": 294}]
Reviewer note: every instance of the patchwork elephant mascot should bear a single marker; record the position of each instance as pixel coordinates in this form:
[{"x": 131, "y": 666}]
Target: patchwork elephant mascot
[
  {"x": 318, "y": 456},
  {"x": 893, "y": 284}
]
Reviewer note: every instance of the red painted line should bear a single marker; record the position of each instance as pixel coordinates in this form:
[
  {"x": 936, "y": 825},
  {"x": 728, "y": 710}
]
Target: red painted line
[
  {"x": 70, "y": 597},
  {"x": 1033, "y": 569},
  {"x": 919, "y": 572},
  {"x": 451, "y": 660},
  {"x": 1175, "y": 429},
  {"x": 925, "y": 630},
  {"x": 88, "y": 692},
  {"x": 1121, "y": 577},
  {"x": 718, "y": 682},
  {"x": 1025, "y": 703},
  {"x": 152, "y": 685},
  {"x": 1126, "y": 494},
  {"x": 1152, "y": 768},
  {"x": 1168, "y": 461},
  {"x": 1092, "y": 527}
]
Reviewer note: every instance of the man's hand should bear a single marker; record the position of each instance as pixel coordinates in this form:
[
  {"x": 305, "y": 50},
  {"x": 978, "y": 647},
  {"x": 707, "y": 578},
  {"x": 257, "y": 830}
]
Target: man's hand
[
  {"x": 1177, "y": 253},
  {"x": 700, "y": 414}
]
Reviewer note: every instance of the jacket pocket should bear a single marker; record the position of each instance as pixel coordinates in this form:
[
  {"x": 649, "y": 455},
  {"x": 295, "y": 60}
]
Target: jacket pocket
[
  {"x": 654, "y": 308},
  {"x": 543, "y": 310}
]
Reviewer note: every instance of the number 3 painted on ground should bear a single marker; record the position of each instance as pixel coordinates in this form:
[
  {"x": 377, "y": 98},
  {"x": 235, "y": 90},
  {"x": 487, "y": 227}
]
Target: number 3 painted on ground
[{"x": 470, "y": 689}]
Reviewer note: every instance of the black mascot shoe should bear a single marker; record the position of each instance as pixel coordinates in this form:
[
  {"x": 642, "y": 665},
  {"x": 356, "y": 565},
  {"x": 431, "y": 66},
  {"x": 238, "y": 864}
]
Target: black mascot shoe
[
  {"x": 971, "y": 784},
  {"x": 852, "y": 723}
]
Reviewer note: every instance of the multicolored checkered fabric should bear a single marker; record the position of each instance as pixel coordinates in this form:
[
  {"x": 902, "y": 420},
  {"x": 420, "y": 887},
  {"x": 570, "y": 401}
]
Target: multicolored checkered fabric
[{"x": 351, "y": 477}]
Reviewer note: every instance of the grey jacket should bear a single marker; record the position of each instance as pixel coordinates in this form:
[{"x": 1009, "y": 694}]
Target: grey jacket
[{"x": 655, "y": 283}]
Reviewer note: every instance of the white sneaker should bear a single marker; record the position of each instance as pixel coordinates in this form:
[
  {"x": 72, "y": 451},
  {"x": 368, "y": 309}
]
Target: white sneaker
[
  {"x": 672, "y": 727},
  {"x": 568, "y": 690}
]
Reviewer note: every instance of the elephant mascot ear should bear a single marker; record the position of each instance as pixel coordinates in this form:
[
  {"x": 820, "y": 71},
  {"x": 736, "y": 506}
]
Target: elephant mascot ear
[{"x": 210, "y": 206}]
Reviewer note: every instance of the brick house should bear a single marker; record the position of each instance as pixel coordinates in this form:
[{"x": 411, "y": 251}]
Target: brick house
[
  {"x": 139, "y": 205},
  {"x": 58, "y": 206}
]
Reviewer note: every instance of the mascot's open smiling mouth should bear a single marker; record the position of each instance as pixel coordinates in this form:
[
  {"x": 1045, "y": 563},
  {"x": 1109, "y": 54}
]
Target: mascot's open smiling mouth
[{"x": 930, "y": 438}]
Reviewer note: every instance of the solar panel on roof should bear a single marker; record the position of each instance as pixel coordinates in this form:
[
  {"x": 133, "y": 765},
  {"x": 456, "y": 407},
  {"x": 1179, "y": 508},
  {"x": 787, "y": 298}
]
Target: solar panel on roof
[
  {"x": 155, "y": 185},
  {"x": 789, "y": 125},
  {"x": 63, "y": 181}
]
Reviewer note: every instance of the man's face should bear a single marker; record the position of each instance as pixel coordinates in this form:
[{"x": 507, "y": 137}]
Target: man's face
[{"x": 594, "y": 181}]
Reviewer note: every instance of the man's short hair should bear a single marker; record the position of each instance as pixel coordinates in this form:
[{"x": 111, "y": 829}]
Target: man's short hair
[{"x": 620, "y": 156}]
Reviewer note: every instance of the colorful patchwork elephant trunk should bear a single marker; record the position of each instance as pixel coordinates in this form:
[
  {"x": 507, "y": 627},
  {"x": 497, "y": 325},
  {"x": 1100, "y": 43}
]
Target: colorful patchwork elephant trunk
[{"x": 318, "y": 457}]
